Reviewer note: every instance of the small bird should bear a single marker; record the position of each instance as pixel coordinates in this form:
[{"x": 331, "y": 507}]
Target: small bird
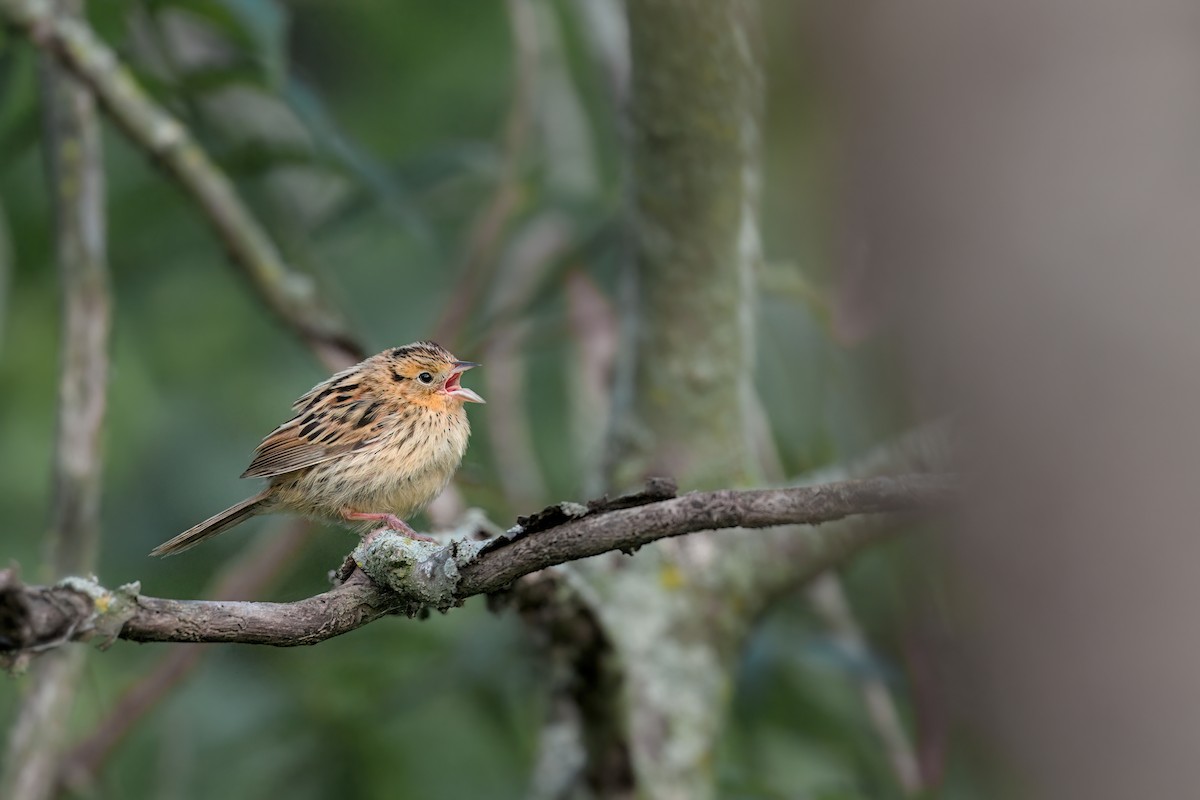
[{"x": 375, "y": 443}]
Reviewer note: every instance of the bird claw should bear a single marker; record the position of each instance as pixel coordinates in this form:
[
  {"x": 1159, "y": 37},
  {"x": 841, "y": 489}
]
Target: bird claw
[{"x": 390, "y": 521}]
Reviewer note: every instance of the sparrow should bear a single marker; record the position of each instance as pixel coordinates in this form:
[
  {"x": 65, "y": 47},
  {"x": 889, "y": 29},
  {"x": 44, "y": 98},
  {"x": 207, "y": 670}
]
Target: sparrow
[{"x": 375, "y": 443}]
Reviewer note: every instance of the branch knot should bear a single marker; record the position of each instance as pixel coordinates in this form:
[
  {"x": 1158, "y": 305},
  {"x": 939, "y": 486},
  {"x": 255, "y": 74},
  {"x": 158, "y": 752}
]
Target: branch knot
[{"x": 426, "y": 573}]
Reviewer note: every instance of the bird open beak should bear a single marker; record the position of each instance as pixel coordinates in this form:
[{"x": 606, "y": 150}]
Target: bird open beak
[{"x": 454, "y": 389}]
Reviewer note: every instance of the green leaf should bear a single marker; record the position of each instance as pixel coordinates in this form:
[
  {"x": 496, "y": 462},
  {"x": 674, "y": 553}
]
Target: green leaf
[{"x": 259, "y": 26}]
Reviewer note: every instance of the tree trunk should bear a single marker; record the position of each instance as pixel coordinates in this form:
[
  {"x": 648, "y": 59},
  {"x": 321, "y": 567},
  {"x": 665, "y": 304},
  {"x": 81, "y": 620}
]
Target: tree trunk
[{"x": 686, "y": 383}]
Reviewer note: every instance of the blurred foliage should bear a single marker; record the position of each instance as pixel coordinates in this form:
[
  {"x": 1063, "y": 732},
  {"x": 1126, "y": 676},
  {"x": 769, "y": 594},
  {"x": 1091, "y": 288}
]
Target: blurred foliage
[{"x": 368, "y": 136}]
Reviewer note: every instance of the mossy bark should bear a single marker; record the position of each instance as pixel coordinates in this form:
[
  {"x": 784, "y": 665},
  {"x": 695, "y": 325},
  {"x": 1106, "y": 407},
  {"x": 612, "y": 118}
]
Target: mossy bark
[
  {"x": 683, "y": 403},
  {"x": 695, "y": 108}
]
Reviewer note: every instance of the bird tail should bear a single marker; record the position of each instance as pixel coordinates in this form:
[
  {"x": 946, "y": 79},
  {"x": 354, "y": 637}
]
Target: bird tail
[{"x": 218, "y": 523}]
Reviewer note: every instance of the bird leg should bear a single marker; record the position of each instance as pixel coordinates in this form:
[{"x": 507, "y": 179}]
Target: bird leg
[{"x": 390, "y": 520}]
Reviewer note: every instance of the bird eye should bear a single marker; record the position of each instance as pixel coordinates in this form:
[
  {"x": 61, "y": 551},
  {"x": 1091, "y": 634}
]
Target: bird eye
[{"x": 425, "y": 377}]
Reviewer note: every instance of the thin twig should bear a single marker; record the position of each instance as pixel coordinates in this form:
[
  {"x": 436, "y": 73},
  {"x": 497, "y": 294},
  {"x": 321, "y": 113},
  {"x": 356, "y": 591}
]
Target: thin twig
[
  {"x": 292, "y": 296},
  {"x": 532, "y": 253},
  {"x": 594, "y": 328},
  {"x": 5, "y": 269},
  {"x": 75, "y": 167},
  {"x": 76, "y": 172},
  {"x": 828, "y": 598},
  {"x": 442, "y": 577},
  {"x": 488, "y": 227}
]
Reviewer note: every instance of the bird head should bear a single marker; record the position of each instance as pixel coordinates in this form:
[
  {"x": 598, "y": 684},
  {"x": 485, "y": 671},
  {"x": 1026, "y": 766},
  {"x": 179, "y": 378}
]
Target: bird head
[{"x": 428, "y": 374}]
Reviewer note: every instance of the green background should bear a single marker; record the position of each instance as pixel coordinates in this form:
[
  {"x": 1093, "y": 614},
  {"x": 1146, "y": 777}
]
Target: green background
[{"x": 395, "y": 115}]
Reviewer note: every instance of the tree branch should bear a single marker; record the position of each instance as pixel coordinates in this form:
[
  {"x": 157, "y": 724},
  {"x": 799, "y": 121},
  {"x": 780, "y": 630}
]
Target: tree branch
[
  {"x": 292, "y": 296},
  {"x": 629, "y": 529},
  {"x": 408, "y": 576},
  {"x": 75, "y": 169}
]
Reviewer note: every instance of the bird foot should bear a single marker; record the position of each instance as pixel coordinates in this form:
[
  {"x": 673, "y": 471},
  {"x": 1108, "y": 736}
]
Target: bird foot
[{"x": 391, "y": 521}]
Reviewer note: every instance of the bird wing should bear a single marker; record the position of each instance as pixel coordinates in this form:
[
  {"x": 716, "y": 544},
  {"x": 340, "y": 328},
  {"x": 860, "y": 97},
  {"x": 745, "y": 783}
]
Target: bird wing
[
  {"x": 285, "y": 450},
  {"x": 335, "y": 418}
]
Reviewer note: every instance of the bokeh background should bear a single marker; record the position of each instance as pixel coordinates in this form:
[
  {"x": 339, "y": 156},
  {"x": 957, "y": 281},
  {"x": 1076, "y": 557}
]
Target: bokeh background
[{"x": 372, "y": 138}]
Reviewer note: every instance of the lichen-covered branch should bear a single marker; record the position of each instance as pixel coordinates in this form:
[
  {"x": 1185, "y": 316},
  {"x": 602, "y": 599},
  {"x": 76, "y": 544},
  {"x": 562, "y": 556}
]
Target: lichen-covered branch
[
  {"x": 75, "y": 170},
  {"x": 395, "y": 574},
  {"x": 292, "y": 296}
]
